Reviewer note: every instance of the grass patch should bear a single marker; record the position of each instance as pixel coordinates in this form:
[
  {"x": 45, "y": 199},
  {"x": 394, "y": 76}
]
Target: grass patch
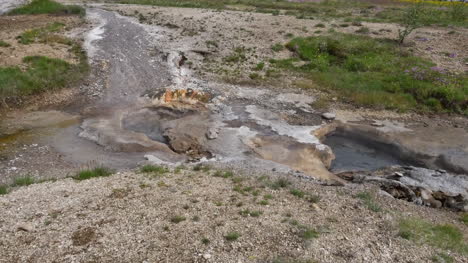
[
  {"x": 377, "y": 73},
  {"x": 297, "y": 193},
  {"x": 23, "y": 181},
  {"x": 41, "y": 73},
  {"x": 441, "y": 236},
  {"x": 369, "y": 202},
  {"x": 247, "y": 212},
  {"x": 280, "y": 183},
  {"x": 226, "y": 174},
  {"x": 96, "y": 172},
  {"x": 277, "y": 47},
  {"x": 48, "y": 7},
  {"x": 3, "y": 189},
  {"x": 201, "y": 167},
  {"x": 464, "y": 218},
  {"x": 259, "y": 66},
  {"x": 154, "y": 169},
  {"x": 177, "y": 219},
  {"x": 309, "y": 233},
  {"x": 442, "y": 258},
  {"x": 4, "y": 44},
  {"x": 232, "y": 236},
  {"x": 43, "y": 34},
  {"x": 205, "y": 241}
]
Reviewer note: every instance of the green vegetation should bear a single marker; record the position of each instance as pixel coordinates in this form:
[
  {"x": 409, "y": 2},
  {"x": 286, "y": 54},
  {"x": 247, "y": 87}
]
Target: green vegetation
[
  {"x": 464, "y": 218},
  {"x": 23, "y": 181},
  {"x": 280, "y": 183},
  {"x": 369, "y": 202},
  {"x": 309, "y": 233},
  {"x": 177, "y": 219},
  {"x": 232, "y": 236},
  {"x": 96, "y": 172},
  {"x": 201, "y": 167},
  {"x": 3, "y": 189},
  {"x": 43, "y": 35},
  {"x": 247, "y": 212},
  {"x": 297, "y": 193},
  {"x": 48, "y": 7},
  {"x": 4, "y": 44},
  {"x": 454, "y": 14},
  {"x": 224, "y": 174},
  {"x": 153, "y": 169},
  {"x": 277, "y": 47},
  {"x": 237, "y": 56},
  {"x": 205, "y": 241},
  {"x": 442, "y": 258},
  {"x": 376, "y": 73},
  {"x": 363, "y": 30},
  {"x": 441, "y": 236},
  {"x": 41, "y": 73},
  {"x": 410, "y": 21}
]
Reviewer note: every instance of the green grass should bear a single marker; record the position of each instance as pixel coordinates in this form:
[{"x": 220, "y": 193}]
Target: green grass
[
  {"x": 201, "y": 167},
  {"x": 154, "y": 169},
  {"x": 23, "y": 181},
  {"x": 431, "y": 15},
  {"x": 42, "y": 34},
  {"x": 297, "y": 193},
  {"x": 452, "y": 15},
  {"x": 464, "y": 218},
  {"x": 232, "y": 236},
  {"x": 442, "y": 258},
  {"x": 277, "y": 47},
  {"x": 376, "y": 73},
  {"x": 3, "y": 189},
  {"x": 444, "y": 236},
  {"x": 4, "y": 44},
  {"x": 205, "y": 241},
  {"x": 247, "y": 212},
  {"x": 96, "y": 172},
  {"x": 48, "y": 7},
  {"x": 177, "y": 219},
  {"x": 309, "y": 233},
  {"x": 225, "y": 174},
  {"x": 41, "y": 74},
  {"x": 279, "y": 183},
  {"x": 369, "y": 202}
]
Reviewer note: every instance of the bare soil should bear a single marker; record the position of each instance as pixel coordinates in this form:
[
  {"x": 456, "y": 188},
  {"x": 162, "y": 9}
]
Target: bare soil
[{"x": 13, "y": 26}]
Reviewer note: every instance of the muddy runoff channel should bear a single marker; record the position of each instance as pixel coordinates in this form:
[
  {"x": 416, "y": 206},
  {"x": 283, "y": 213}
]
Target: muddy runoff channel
[{"x": 149, "y": 108}]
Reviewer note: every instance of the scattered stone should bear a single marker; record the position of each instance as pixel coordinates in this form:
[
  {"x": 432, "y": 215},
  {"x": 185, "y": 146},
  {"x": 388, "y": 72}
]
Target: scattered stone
[
  {"x": 206, "y": 256},
  {"x": 329, "y": 116}
]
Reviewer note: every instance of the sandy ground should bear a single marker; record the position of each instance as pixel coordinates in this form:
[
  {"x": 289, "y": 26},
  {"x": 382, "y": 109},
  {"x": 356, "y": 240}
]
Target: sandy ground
[{"x": 128, "y": 218}]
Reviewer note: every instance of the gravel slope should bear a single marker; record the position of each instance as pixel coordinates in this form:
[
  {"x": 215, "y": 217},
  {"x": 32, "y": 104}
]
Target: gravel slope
[{"x": 127, "y": 218}]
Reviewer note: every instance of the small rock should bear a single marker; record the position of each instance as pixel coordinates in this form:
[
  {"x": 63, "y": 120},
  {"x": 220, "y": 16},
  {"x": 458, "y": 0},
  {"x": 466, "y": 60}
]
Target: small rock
[
  {"x": 329, "y": 116},
  {"x": 212, "y": 133},
  {"x": 386, "y": 194},
  {"x": 206, "y": 256},
  {"x": 398, "y": 174},
  {"x": 25, "y": 227}
]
